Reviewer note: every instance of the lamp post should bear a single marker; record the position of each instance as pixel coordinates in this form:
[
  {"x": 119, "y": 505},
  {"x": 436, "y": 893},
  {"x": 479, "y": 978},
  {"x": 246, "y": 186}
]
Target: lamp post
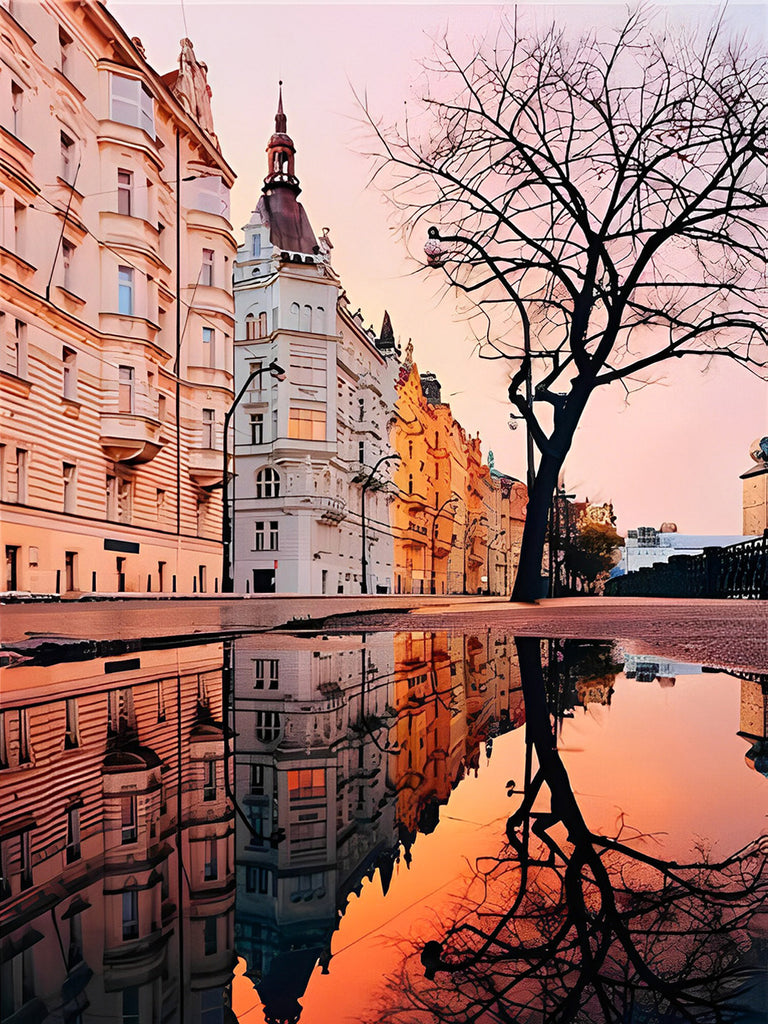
[
  {"x": 448, "y": 501},
  {"x": 500, "y": 533},
  {"x": 227, "y": 583},
  {"x": 366, "y": 485}
]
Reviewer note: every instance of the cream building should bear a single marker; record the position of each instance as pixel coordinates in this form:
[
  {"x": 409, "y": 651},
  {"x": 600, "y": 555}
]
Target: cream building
[
  {"x": 115, "y": 370},
  {"x": 304, "y": 448}
]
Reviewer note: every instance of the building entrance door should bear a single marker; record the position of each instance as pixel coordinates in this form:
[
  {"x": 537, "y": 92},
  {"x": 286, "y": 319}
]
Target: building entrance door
[
  {"x": 263, "y": 581},
  {"x": 11, "y": 567},
  {"x": 70, "y": 575}
]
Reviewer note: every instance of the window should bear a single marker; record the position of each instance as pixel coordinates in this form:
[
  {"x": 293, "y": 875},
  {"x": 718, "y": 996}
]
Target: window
[
  {"x": 267, "y": 483},
  {"x": 257, "y": 427},
  {"x": 65, "y": 49},
  {"x": 67, "y": 256},
  {"x": 307, "y": 424},
  {"x": 306, "y": 836},
  {"x": 273, "y": 534},
  {"x": 19, "y": 349},
  {"x": 211, "y": 867},
  {"x": 25, "y": 750},
  {"x": 75, "y": 952},
  {"x": 131, "y": 103},
  {"x": 22, "y": 467},
  {"x": 255, "y": 372},
  {"x": 262, "y": 331},
  {"x": 209, "y": 428},
  {"x": 124, "y": 501},
  {"x": 128, "y": 826},
  {"x": 69, "y": 374},
  {"x": 266, "y": 673},
  {"x": 206, "y": 269},
  {"x": 73, "y": 835},
  {"x": 125, "y": 290},
  {"x": 72, "y": 731},
  {"x": 306, "y": 319},
  {"x": 306, "y": 784},
  {"x": 17, "y": 97},
  {"x": 67, "y": 151},
  {"x": 259, "y": 880},
  {"x": 125, "y": 381},
  {"x": 130, "y": 919},
  {"x": 160, "y": 503},
  {"x": 25, "y": 859},
  {"x": 250, "y": 327},
  {"x": 308, "y": 365},
  {"x": 162, "y": 403},
  {"x": 361, "y": 451},
  {"x": 125, "y": 192},
  {"x": 257, "y": 779},
  {"x": 209, "y": 787},
  {"x": 208, "y": 347},
  {"x": 68, "y": 474},
  {"x": 210, "y": 943},
  {"x": 410, "y": 483},
  {"x": 259, "y": 537},
  {"x": 267, "y": 726},
  {"x": 111, "y": 497},
  {"x": 255, "y": 246},
  {"x": 361, "y": 409}
]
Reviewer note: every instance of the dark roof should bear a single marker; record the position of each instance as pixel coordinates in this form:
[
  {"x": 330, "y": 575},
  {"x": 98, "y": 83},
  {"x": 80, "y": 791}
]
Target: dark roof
[{"x": 289, "y": 227}]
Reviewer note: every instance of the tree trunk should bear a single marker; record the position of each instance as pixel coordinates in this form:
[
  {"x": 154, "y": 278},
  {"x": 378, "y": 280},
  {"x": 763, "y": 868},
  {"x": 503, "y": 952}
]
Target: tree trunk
[{"x": 527, "y": 585}]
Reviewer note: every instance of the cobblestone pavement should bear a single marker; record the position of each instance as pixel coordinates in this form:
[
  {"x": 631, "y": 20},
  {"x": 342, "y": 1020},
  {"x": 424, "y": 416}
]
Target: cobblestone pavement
[{"x": 720, "y": 633}]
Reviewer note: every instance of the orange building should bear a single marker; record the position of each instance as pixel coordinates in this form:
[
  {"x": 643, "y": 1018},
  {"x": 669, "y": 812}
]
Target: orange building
[{"x": 457, "y": 524}]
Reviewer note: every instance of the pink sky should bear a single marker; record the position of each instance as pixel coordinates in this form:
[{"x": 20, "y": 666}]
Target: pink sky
[{"x": 674, "y": 454}]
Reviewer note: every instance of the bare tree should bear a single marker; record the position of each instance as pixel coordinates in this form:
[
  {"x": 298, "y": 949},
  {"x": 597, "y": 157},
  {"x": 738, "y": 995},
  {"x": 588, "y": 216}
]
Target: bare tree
[
  {"x": 602, "y": 203},
  {"x": 569, "y": 925}
]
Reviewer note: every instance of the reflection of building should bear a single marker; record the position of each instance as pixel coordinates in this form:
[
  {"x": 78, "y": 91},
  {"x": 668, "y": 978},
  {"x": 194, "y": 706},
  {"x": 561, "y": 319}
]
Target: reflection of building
[
  {"x": 102, "y": 488},
  {"x": 305, "y": 447},
  {"x": 117, "y": 885},
  {"x": 647, "y": 669},
  {"x": 346, "y": 748},
  {"x": 753, "y": 723}
]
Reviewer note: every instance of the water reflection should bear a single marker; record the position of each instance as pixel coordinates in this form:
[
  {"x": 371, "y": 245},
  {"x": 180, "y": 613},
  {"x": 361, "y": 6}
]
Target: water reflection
[
  {"x": 117, "y": 881},
  {"x": 345, "y": 749},
  {"x": 162, "y": 814},
  {"x": 572, "y": 925}
]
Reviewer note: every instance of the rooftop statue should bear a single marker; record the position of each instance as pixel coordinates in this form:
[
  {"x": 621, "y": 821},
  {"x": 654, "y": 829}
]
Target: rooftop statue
[{"x": 192, "y": 90}]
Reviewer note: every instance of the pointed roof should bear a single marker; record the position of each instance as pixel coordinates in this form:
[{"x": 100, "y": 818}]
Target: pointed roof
[{"x": 387, "y": 336}]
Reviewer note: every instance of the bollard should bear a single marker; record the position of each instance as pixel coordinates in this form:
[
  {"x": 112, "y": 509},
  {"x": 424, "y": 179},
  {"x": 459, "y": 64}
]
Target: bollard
[
  {"x": 173, "y": 584},
  {"x": 216, "y": 584},
  {"x": 93, "y": 582},
  {"x": 194, "y": 584},
  {"x": 247, "y": 587},
  {"x": 58, "y": 581},
  {"x": 149, "y": 583}
]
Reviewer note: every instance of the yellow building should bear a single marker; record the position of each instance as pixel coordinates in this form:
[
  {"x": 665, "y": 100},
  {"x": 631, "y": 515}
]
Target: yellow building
[
  {"x": 115, "y": 370},
  {"x": 457, "y": 524},
  {"x": 755, "y": 490}
]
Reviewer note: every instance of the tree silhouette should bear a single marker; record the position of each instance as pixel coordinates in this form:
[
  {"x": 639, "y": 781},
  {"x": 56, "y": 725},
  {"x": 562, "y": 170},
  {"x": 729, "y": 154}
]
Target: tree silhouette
[
  {"x": 601, "y": 202},
  {"x": 570, "y": 925}
]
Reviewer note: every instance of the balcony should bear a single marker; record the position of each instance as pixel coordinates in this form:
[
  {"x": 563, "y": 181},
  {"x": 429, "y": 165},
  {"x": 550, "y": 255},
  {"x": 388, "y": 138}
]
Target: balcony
[
  {"x": 126, "y": 437},
  {"x": 206, "y": 466},
  {"x": 331, "y": 510}
]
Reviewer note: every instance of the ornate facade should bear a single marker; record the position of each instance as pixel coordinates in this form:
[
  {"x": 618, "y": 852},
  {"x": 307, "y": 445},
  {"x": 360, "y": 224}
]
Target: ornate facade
[{"x": 116, "y": 310}]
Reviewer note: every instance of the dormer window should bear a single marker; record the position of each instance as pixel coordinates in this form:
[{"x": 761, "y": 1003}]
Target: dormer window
[{"x": 255, "y": 246}]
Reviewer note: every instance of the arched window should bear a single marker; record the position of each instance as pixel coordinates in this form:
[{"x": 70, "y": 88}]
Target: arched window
[
  {"x": 319, "y": 319},
  {"x": 267, "y": 726},
  {"x": 250, "y": 327},
  {"x": 295, "y": 308},
  {"x": 306, "y": 319},
  {"x": 267, "y": 483},
  {"x": 262, "y": 325}
]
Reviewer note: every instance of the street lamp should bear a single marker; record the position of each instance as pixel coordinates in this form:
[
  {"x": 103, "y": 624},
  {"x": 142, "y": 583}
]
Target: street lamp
[
  {"x": 448, "y": 501},
  {"x": 227, "y": 583},
  {"x": 501, "y": 533},
  {"x": 366, "y": 485}
]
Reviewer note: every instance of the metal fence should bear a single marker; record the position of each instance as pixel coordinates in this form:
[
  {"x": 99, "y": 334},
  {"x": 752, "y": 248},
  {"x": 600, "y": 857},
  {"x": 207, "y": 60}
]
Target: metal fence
[{"x": 740, "y": 570}]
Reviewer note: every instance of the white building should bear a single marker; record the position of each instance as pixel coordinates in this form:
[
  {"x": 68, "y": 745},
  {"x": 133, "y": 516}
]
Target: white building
[
  {"x": 303, "y": 448},
  {"x": 647, "y": 545}
]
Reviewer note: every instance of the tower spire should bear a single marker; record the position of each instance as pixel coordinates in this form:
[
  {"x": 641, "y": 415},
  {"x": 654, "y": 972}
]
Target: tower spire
[{"x": 281, "y": 121}]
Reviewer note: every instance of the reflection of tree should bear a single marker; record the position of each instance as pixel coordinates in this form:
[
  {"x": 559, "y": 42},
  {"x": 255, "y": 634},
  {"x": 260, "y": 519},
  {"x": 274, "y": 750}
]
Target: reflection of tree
[{"x": 569, "y": 925}]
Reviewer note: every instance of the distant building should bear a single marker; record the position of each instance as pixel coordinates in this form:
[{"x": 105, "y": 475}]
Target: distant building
[
  {"x": 755, "y": 489},
  {"x": 102, "y": 486},
  {"x": 647, "y": 545},
  {"x": 304, "y": 448}
]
